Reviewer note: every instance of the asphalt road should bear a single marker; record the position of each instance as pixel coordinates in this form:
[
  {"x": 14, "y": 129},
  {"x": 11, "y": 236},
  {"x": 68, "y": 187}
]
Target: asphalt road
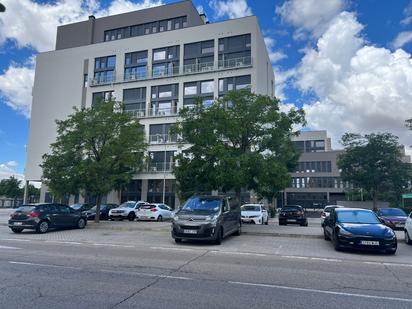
[{"x": 94, "y": 268}]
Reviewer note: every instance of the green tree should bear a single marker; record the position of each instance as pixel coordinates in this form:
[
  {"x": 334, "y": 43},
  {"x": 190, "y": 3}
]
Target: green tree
[
  {"x": 242, "y": 141},
  {"x": 11, "y": 187},
  {"x": 374, "y": 162},
  {"x": 97, "y": 149}
]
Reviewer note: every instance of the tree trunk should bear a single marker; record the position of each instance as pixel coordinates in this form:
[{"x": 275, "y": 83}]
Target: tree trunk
[
  {"x": 375, "y": 201},
  {"x": 98, "y": 202},
  {"x": 238, "y": 198}
]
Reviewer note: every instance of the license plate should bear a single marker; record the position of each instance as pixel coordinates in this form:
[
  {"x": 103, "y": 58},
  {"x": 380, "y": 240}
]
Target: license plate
[
  {"x": 17, "y": 223},
  {"x": 291, "y": 220},
  {"x": 369, "y": 243},
  {"x": 143, "y": 217},
  {"x": 399, "y": 224},
  {"x": 190, "y": 231}
]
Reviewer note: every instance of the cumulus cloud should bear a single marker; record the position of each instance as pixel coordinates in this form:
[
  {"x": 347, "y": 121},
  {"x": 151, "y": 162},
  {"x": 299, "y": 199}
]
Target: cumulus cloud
[
  {"x": 16, "y": 87},
  {"x": 230, "y": 8},
  {"x": 360, "y": 88},
  {"x": 8, "y": 169},
  {"x": 17, "y": 24},
  {"x": 274, "y": 55},
  {"x": 403, "y": 38},
  {"x": 309, "y": 16}
]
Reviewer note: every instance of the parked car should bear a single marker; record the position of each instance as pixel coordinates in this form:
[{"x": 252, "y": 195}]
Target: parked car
[
  {"x": 156, "y": 212},
  {"x": 326, "y": 212},
  {"x": 359, "y": 229},
  {"x": 408, "y": 230},
  {"x": 395, "y": 218},
  {"x": 293, "y": 214},
  {"x": 254, "y": 213},
  {"x": 127, "y": 210},
  {"x": 104, "y": 211},
  {"x": 207, "y": 218},
  {"x": 44, "y": 216},
  {"x": 81, "y": 207}
]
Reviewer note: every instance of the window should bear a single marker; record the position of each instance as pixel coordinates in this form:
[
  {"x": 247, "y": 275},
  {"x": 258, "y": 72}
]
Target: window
[
  {"x": 165, "y": 91},
  {"x": 190, "y": 89},
  {"x": 159, "y": 70},
  {"x": 85, "y": 77},
  {"x": 104, "y": 69},
  {"x": 166, "y": 61},
  {"x": 160, "y": 55},
  {"x": 234, "y": 83},
  {"x": 169, "y": 25},
  {"x": 207, "y": 86},
  {"x": 102, "y": 96}
]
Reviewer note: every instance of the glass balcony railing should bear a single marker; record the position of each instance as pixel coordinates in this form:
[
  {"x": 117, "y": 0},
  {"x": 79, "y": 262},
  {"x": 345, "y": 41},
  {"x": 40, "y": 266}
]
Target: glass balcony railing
[
  {"x": 235, "y": 63},
  {"x": 138, "y": 113},
  {"x": 162, "y": 139},
  {"x": 162, "y": 111},
  {"x": 157, "y": 167},
  {"x": 198, "y": 67}
]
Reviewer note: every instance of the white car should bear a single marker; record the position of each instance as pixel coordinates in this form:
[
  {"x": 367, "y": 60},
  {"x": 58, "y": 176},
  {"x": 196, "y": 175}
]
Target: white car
[
  {"x": 326, "y": 212},
  {"x": 408, "y": 229},
  {"x": 154, "y": 212},
  {"x": 254, "y": 213},
  {"x": 127, "y": 210}
]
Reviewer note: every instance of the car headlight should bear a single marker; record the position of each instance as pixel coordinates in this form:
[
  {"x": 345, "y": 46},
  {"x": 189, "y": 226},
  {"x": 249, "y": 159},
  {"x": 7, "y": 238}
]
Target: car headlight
[
  {"x": 175, "y": 217},
  {"x": 389, "y": 233},
  {"x": 212, "y": 220},
  {"x": 344, "y": 232}
]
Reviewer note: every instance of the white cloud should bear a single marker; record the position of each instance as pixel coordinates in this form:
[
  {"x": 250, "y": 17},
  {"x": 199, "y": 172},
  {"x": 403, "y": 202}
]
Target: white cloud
[
  {"x": 8, "y": 169},
  {"x": 360, "y": 88},
  {"x": 309, "y": 16},
  {"x": 17, "y": 22},
  {"x": 402, "y": 39},
  {"x": 16, "y": 87},
  {"x": 283, "y": 80},
  {"x": 274, "y": 56},
  {"x": 407, "y": 12},
  {"x": 230, "y": 8}
]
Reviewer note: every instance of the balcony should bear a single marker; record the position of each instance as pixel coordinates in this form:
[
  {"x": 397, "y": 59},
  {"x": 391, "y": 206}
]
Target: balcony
[
  {"x": 162, "y": 111},
  {"x": 189, "y": 69},
  {"x": 162, "y": 139},
  {"x": 160, "y": 167},
  {"x": 138, "y": 113}
]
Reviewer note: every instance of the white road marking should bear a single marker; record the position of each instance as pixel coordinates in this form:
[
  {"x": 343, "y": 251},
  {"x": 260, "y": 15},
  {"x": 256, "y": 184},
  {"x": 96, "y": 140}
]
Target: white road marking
[
  {"x": 321, "y": 291},
  {"x": 387, "y": 264},
  {"x": 295, "y": 257},
  {"x": 112, "y": 245},
  {"x": 326, "y": 259},
  {"x": 15, "y": 239},
  {"x": 63, "y": 242},
  {"x": 11, "y": 248},
  {"x": 173, "y": 249},
  {"x": 44, "y": 265},
  {"x": 237, "y": 253}
]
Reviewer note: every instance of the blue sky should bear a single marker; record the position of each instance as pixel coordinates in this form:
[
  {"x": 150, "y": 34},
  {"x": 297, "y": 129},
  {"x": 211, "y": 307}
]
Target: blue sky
[{"x": 347, "y": 63}]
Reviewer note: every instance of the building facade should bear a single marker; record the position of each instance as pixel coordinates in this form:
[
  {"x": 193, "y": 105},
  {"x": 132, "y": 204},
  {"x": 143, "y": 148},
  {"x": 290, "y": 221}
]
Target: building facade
[
  {"x": 316, "y": 181},
  {"x": 156, "y": 61}
]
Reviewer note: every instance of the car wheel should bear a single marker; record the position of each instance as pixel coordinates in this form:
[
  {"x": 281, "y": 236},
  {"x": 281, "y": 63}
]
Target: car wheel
[
  {"x": 391, "y": 251},
  {"x": 336, "y": 244},
  {"x": 131, "y": 216},
  {"x": 219, "y": 237},
  {"x": 160, "y": 218},
  {"x": 81, "y": 223},
  {"x": 178, "y": 240},
  {"x": 408, "y": 240},
  {"x": 267, "y": 221},
  {"x": 42, "y": 227},
  {"x": 325, "y": 235},
  {"x": 239, "y": 229},
  {"x": 16, "y": 230}
]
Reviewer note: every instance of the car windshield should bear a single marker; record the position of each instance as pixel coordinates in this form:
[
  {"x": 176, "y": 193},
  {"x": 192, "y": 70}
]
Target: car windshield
[
  {"x": 357, "y": 216},
  {"x": 392, "y": 212},
  {"x": 103, "y": 206},
  {"x": 291, "y": 208},
  {"x": 202, "y": 204},
  {"x": 128, "y": 204},
  {"x": 76, "y": 206},
  {"x": 250, "y": 208},
  {"x": 26, "y": 208}
]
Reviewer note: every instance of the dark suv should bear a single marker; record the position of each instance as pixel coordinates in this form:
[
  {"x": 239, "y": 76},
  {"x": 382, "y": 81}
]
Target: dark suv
[
  {"x": 43, "y": 216},
  {"x": 207, "y": 218},
  {"x": 293, "y": 214}
]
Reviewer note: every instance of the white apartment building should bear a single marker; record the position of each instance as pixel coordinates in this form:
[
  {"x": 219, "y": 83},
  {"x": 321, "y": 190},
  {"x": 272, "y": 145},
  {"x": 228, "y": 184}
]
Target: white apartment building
[{"x": 156, "y": 61}]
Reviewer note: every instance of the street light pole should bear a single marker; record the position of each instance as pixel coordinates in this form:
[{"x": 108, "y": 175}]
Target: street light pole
[{"x": 163, "y": 140}]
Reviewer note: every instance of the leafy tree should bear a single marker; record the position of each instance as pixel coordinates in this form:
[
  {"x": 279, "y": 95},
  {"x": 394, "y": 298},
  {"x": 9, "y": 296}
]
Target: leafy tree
[
  {"x": 97, "y": 149},
  {"x": 10, "y": 187},
  {"x": 374, "y": 162},
  {"x": 408, "y": 123},
  {"x": 242, "y": 141}
]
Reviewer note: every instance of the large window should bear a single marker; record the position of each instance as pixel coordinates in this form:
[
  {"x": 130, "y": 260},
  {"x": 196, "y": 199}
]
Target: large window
[
  {"x": 235, "y": 51},
  {"x": 135, "y": 101},
  {"x": 318, "y": 182},
  {"x": 135, "y": 65},
  {"x": 160, "y": 133},
  {"x": 164, "y": 100},
  {"x": 200, "y": 89},
  {"x": 144, "y": 29},
  {"x": 102, "y": 96},
  {"x": 198, "y": 56},
  {"x": 314, "y": 167},
  {"x": 104, "y": 69},
  {"x": 165, "y": 61},
  {"x": 233, "y": 83},
  {"x": 160, "y": 161}
]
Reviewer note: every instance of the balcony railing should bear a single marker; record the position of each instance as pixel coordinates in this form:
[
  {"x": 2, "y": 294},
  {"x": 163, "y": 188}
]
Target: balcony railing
[
  {"x": 235, "y": 63},
  {"x": 162, "y": 111},
  {"x": 157, "y": 167},
  {"x": 138, "y": 113},
  {"x": 162, "y": 139}
]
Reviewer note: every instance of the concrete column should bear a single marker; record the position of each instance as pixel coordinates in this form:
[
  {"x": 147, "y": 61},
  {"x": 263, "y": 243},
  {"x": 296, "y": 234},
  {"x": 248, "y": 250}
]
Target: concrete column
[
  {"x": 145, "y": 184},
  {"x": 26, "y": 192}
]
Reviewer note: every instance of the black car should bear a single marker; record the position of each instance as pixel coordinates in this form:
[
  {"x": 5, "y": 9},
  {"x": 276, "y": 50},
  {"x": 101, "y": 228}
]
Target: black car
[
  {"x": 359, "y": 229},
  {"x": 207, "y": 218},
  {"x": 293, "y": 214},
  {"x": 104, "y": 211},
  {"x": 81, "y": 207},
  {"x": 43, "y": 216}
]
